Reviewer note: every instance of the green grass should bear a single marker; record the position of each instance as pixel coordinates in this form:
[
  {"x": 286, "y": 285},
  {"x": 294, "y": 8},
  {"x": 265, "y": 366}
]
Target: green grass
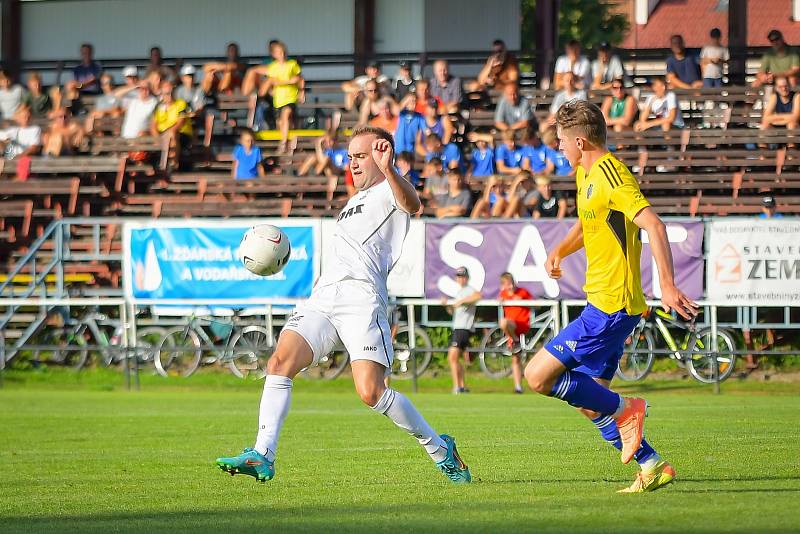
[{"x": 76, "y": 458}]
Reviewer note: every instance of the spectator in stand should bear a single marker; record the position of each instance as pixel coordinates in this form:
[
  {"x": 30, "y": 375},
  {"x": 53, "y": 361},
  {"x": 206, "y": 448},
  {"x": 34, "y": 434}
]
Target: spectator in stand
[
  {"x": 568, "y": 94},
  {"x": 385, "y": 119},
  {"x": 127, "y": 92},
  {"x": 663, "y": 106},
  {"x": 457, "y": 202},
  {"x": 607, "y": 68},
  {"x": 172, "y": 122},
  {"x": 247, "y": 157},
  {"x": 139, "y": 113},
  {"x": 463, "y": 310},
  {"x": 353, "y": 89},
  {"x": 410, "y": 125},
  {"x": 436, "y": 182},
  {"x": 449, "y": 153},
  {"x": 62, "y": 137},
  {"x": 108, "y": 104},
  {"x": 683, "y": 71},
  {"x": 561, "y": 166},
  {"x": 224, "y": 77},
  {"x": 536, "y": 155},
  {"x": 370, "y": 105},
  {"x": 285, "y": 81},
  {"x": 619, "y": 108},
  {"x": 35, "y": 99},
  {"x": 515, "y": 323},
  {"x": 404, "y": 83},
  {"x": 188, "y": 91},
  {"x": 494, "y": 200},
  {"x": 482, "y": 161},
  {"x": 404, "y": 164},
  {"x": 508, "y": 154},
  {"x": 520, "y": 187},
  {"x": 576, "y": 63},
  {"x": 424, "y": 97},
  {"x": 500, "y": 69},
  {"x": 780, "y": 61},
  {"x": 24, "y": 139},
  {"x": 713, "y": 57},
  {"x": 544, "y": 203},
  {"x": 445, "y": 88},
  {"x": 87, "y": 74},
  {"x": 436, "y": 124},
  {"x": 10, "y": 96},
  {"x": 157, "y": 65},
  {"x": 328, "y": 158},
  {"x": 783, "y": 106},
  {"x": 769, "y": 209},
  {"x": 514, "y": 111}
]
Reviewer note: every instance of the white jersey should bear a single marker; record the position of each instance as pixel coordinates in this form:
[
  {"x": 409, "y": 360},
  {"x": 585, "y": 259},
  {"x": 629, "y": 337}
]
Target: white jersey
[{"x": 368, "y": 239}]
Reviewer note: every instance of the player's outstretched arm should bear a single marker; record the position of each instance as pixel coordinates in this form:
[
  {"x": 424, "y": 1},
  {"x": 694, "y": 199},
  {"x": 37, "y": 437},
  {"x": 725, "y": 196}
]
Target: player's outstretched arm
[
  {"x": 671, "y": 297},
  {"x": 573, "y": 242},
  {"x": 404, "y": 193}
]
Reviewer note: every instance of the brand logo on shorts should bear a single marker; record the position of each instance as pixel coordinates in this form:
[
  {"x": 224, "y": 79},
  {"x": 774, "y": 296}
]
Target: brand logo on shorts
[
  {"x": 571, "y": 345},
  {"x": 368, "y": 348},
  {"x": 559, "y": 348}
]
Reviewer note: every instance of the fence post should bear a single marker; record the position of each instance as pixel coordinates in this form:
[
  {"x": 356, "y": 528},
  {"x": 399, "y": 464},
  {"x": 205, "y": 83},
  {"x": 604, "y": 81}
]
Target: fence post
[
  {"x": 123, "y": 319},
  {"x": 412, "y": 344},
  {"x": 2, "y": 359},
  {"x": 714, "y": 361},
  {"x": 133, "y": 336}
]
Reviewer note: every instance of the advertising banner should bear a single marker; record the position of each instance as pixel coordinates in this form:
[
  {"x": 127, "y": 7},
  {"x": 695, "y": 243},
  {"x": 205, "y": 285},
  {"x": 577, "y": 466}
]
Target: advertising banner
[
  {"x": 489, "y": 249},
  {"x": 199, "y": 260},
  {"x": 754, "y": 261}
]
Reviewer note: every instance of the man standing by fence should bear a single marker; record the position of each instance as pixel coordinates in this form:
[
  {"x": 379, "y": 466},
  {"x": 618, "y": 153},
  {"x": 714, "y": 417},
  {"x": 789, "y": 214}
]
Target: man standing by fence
[{"x": 463, "y": 310}]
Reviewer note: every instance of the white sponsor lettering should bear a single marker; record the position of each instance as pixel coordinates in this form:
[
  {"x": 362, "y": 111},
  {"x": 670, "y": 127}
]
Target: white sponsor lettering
[{"x": 455, "y": 259}]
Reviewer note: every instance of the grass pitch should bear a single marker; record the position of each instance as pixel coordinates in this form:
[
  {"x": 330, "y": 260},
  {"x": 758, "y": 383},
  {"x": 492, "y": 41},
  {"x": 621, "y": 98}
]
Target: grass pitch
[{"x": 76, "y": 458}]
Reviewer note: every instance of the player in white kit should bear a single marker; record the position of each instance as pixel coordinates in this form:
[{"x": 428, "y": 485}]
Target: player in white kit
[{"x": 349, "y": 303}]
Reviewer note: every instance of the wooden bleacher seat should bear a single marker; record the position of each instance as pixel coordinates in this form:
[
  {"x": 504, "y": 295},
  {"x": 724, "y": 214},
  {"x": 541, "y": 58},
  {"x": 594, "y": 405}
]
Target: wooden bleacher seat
[{"x": 20, "y": 211}]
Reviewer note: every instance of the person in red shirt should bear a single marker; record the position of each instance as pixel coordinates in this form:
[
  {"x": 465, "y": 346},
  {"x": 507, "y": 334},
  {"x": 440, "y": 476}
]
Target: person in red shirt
[{"x": 515, "y": 322}]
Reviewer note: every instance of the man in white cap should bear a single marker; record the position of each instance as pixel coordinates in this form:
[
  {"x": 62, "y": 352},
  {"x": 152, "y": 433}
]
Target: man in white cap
[
  {"x": 463, "y": 310},
  {"x": 189, "y": 92}
]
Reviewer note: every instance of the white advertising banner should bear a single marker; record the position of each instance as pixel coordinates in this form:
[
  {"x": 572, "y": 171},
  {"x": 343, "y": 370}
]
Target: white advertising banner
[
  {"x": 754, "y": 261},
  {"x": 407, "y": 277}
]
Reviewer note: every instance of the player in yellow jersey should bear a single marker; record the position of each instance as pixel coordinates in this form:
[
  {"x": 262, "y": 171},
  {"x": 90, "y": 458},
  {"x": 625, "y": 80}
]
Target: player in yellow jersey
[{"x": 577, "y": 365}]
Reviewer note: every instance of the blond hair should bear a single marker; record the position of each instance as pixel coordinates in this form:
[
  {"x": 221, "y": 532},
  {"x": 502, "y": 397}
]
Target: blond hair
[{"x": 585, "y": 119}]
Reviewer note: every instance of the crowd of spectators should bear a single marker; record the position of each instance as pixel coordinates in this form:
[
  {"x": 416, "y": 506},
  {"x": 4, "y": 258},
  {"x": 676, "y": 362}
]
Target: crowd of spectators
[{"x": 512, "y": 162}]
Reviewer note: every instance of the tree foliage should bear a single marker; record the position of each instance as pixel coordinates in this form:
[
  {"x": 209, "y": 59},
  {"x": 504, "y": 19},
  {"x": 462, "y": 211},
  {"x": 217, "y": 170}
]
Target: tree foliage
[{"x": 590, "y": 22}]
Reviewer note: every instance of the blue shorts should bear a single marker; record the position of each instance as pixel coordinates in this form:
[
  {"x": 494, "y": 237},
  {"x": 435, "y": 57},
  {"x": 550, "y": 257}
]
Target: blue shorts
[{"x": 593, "y": 343}]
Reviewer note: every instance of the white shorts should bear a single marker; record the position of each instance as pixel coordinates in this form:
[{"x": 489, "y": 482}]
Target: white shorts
[{"x": 350, "y": 312}]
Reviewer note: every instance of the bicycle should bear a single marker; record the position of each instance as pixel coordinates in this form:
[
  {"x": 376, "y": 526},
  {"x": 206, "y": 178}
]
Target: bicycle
[
  {"x": 180, "y": 351},
  {"x": 495, "y": 354},
  {"x": 695, "y": 351},
  {"x": 93, "y": 334}
]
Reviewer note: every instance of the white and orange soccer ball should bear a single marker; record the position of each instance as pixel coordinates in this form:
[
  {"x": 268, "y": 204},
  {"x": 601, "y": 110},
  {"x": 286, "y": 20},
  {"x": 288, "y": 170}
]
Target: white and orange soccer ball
[{"x": 265, "y": 250}]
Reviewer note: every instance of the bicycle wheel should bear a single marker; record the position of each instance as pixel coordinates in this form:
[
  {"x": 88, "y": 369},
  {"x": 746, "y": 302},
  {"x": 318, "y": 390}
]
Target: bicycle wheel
[
  {"x": 401, "y": 366},
  {"x": 496, "y": 361},
  {"x": 65, "y": 347},
  {"x": 701, "y": 364},
  {"x": 249, "y": 351},
  {"x": 147, "y": 339},
  {"x": 637, "y": 360},
  {"x": 330, "y": 366},
  {"x": 178, "y": 353}
]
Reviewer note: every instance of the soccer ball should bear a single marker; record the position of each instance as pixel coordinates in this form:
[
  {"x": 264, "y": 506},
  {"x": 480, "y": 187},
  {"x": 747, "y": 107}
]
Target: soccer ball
[{"x": 265, "y": 250}]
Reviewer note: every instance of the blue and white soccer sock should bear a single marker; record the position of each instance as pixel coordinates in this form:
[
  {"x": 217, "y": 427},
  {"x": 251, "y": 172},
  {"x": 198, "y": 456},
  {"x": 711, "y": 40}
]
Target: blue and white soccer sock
[
  {"x": 579, "y": 389},
  {"x": 399, "y": 409},
  {"x": 646, "y": 456},
  {"x": 275, "y": 402}
]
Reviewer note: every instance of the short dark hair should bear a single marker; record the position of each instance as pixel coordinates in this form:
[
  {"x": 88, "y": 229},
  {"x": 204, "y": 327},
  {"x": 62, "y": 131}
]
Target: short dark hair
[
  {"x": 433, "y": 136},
  {"x": 435, "y": 161},
  {"x": 715, "y": 33},
  {"x": 88, "y": 45},
  {"x": 380, "y": 133},
  {"x": 406, "y": 156},
  {"x": 572, "y": 43},
  {"x": 499, "y": 42},
  {"x": 774, "y": 35}
]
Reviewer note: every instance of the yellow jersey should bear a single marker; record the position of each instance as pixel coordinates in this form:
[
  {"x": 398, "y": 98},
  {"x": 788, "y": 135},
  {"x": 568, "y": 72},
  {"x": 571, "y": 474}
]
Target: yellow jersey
[
  {"x": 283, "y": 93},
  {"x": 608, "y": 200},
  {"x": 166, "y": 116}
]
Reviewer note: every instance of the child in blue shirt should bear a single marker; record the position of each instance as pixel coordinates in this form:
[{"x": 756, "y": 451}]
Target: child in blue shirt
[{"x": 247, "y": 157}]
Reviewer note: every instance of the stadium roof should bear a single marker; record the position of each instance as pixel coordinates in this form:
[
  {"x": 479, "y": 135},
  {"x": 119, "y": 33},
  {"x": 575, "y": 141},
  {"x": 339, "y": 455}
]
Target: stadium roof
[{"x": 695, "y": 18}]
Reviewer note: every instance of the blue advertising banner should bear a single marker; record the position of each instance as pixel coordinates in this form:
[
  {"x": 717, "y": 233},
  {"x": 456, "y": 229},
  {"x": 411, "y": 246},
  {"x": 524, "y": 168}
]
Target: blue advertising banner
[{"x": 199, "y": 261}]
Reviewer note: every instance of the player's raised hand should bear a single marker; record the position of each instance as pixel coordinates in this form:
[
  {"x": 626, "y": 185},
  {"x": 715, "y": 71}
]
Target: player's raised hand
[
  {"x": 553, "y": 265},
  {"x": 383, "y": 154},
  {"x": 673, "y": 299}
]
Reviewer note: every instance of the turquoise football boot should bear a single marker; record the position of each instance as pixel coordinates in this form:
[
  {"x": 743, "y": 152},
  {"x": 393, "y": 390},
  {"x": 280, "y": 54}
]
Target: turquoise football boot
[
  {"x": 453, "y": 466},
  {"x": 250, "y": 463}
]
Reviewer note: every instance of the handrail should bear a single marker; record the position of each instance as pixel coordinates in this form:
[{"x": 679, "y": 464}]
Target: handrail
[{"x": 30, "y": 255}]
